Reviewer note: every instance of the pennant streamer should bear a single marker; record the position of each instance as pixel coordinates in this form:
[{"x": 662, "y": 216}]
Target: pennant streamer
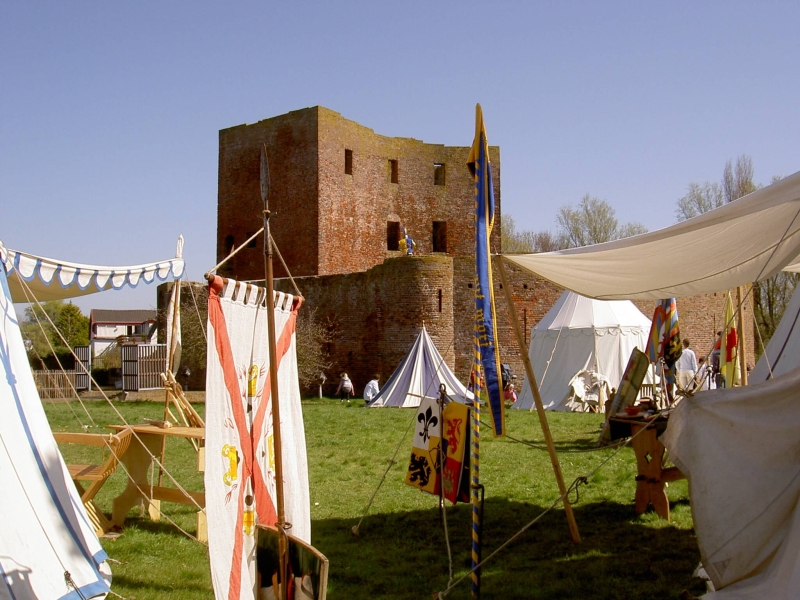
[{"x": 486, "y": 336}]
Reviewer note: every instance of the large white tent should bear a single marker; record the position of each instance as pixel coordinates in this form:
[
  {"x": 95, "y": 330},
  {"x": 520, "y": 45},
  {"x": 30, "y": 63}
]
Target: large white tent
[
  {"x": 747, "y": 240},
  {"x": 578, "y": 334},
  {"x": 48, "y": 546},
  {"x": 419, "y": 375},
  {"x": 749, "y": 549}
]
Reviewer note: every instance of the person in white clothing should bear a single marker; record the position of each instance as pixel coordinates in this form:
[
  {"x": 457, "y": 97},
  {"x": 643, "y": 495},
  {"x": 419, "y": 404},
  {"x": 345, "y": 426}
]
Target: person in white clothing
[
  {"x": 702, "y": 380},
  {"x": 686, "y": 366},
  {"x": 372, "y": 389},
  {"x": 345, "y": 389}
]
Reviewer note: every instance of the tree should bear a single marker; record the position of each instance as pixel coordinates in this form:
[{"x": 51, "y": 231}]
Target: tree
[
  {"x": 43, "y": 341},
  {"x": 74, "y": 328},
  {"x": 699, "y": 199},
  {"x": 313, "y": 336},
  {"x": 521, "y": 242},
  {"x": 771, "y": 296},
  {"x": 593, "y": 221}
]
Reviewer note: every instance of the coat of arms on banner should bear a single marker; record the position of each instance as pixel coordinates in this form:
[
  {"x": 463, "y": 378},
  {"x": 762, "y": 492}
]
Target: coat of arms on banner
[{"x": 439, "y": 434}]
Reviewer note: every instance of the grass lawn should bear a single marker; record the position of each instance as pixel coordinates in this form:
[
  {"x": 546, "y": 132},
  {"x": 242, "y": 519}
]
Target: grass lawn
[{"x": 401, "y": 551}]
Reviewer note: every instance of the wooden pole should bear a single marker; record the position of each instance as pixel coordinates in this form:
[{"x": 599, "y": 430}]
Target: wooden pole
[
  {"x": 273, "y": 378},
  {"x": 742, "y": 352},
  {"x": 537, "y": 398}
]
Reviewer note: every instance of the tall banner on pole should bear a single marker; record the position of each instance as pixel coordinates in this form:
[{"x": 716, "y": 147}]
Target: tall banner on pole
[
  {"x": 728, "y": 359},
  {"x": 486, "y": 337}
]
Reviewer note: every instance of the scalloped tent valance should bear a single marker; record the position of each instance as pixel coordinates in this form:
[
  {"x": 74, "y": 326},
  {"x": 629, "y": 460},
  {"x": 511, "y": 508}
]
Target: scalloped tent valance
[{"x": 51, "y": 279}]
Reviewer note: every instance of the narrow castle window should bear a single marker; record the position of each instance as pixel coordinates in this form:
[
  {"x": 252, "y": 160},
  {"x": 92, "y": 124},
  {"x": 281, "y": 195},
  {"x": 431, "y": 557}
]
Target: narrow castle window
[
  {"x": 393, "y": 170},
  {"x": 440, "y": 300},
  {"x": 392, "y": 235},
  {"x": 440, "y": 236},
  {"x": 348, "y": 162},
  {"x": 229, "y": 243},
  {"x": 438, "y": 173}
]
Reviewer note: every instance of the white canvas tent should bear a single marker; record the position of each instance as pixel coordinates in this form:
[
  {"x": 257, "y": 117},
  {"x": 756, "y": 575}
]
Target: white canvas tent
[
  {"x": 419, "y": 375},
  {"x": 747, "y": 240},
  {"x": 45, "y": 533},
  {"x": 577, "y": 334},
  {"x": 782, "y": 353}
]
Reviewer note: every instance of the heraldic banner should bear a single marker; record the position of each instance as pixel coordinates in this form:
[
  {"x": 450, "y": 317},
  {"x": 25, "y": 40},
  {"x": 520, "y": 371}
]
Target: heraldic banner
[
  {"x": 240, "y": 455},
  {"x": 424, "y": 470}
]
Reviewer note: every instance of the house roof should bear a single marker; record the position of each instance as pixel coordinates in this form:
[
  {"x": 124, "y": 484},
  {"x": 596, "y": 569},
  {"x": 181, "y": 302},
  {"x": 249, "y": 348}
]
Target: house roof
[{"x": 122, "y": 317}]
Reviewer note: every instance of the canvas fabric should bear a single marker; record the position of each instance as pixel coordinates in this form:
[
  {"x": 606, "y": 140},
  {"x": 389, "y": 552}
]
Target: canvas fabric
[
  {"x": 52, "y": 279},
  {"x": 581, "y": 334},
  {"x": 419, "y": 375},
  {"x": 738, "y": 448},
  {"x": 438, "y": 432},
  {"x": 782, "y": 353},
  {"x": 240, "y": 458},
  {"x": 743, "y": 241},
  {"x": 44, "y": 529}
]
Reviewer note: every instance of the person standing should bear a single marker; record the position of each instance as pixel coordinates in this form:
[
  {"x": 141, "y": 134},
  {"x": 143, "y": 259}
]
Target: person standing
[
  {"x": 372, "y": 389},
  {"x": 686, "y": 366},
  {"x": 345, "y": 389}
]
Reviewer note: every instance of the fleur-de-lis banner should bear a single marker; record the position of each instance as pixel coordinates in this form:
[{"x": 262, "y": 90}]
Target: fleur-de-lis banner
[{"x": 426, "y": 471}]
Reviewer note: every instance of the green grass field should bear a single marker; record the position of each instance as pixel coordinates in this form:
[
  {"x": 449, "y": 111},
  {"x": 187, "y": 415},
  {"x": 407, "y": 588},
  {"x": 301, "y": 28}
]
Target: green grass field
[{"x": 401, "y": 550}]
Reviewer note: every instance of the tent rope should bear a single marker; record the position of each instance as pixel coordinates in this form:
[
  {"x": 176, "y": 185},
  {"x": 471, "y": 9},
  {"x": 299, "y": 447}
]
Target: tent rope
[
  {"x": 31, "y": 299},
  {"x": 29, "y": 295},
  {"x": 392, "y": 461},
  {"x": 572, "y": 487}
]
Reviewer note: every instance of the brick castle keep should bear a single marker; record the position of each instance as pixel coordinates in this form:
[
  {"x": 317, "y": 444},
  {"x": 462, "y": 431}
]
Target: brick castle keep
[{"x": 340, "y": 196}]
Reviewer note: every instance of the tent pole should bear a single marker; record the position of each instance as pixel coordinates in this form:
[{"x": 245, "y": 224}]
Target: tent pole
[
  {"x": 551, "y": 449},
  {"x": 283, "y": 545},
  {"x": 742, "y": 355}
]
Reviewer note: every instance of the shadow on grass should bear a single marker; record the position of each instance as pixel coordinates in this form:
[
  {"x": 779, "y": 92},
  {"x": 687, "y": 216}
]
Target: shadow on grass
[{"x": 404, "y": 555}]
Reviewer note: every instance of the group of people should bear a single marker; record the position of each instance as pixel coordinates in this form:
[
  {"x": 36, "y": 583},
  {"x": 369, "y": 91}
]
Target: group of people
[
  {"x": 695, "y": 373},
  {"x": 347, "y": 390}
]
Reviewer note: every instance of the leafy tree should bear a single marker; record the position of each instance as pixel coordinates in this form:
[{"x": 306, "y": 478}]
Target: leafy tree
[
  {"x": 74, "y": 327},
  {"x": 42, "y": 339},
  {"x": 593, "y": 221}
]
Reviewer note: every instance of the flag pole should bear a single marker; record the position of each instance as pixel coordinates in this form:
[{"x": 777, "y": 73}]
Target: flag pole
[
  {"x": 273, "y": 378},
  {"x": 551, "y": 449},
  {"x": 476, "y": 487},
  {"x": 740, "y": 334}
]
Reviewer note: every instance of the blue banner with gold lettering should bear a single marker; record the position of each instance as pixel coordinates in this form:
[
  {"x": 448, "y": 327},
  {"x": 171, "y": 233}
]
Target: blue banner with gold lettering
[{"x": 486, "y": 336}]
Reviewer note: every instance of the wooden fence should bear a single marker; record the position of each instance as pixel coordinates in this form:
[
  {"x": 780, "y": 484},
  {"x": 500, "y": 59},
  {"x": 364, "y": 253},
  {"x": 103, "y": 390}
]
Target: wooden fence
[
  {"x": 55, "y": 384},
  {"x": 142, "y": 366}
]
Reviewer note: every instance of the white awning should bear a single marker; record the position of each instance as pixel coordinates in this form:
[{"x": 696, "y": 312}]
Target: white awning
[
  {"x": 50, "y": 279},
  {"x": 747, "y": 240}
]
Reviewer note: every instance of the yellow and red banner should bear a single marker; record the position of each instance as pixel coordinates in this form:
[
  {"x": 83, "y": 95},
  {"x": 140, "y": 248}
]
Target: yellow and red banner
[
  {"x": 728, "y": 351},
  {"x": 440, "y": 434}
]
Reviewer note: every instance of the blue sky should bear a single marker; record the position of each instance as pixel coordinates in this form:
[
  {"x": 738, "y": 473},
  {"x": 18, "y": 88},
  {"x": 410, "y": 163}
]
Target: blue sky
[{"x": 110, "y": 112}]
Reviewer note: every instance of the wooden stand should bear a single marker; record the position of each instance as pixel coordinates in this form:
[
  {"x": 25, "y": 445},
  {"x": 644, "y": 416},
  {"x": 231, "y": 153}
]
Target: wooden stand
[
  {"x": 650, "y": 476},
  {"x": 137, "y": 461}
]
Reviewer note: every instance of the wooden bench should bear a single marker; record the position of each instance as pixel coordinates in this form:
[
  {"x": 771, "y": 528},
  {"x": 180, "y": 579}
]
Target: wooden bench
[{"x": 96, "y": 474}]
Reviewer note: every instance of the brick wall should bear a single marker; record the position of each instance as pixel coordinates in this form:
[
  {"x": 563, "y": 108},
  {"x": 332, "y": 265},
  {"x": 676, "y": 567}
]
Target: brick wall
[
  {"x": 291, "y": 141},
  {"x": 378, "y": 313},
  {"x": 327, "y": 221},
  {"x": 331, "y": 228}
]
